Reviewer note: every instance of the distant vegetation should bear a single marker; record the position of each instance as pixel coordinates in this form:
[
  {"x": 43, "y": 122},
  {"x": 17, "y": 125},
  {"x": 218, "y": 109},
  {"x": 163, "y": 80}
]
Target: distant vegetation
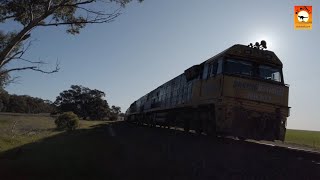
[
  {"x": 82, "y": 101},
  {"x": 86, "y": 103},
  {"x": 23, "y": 104}
]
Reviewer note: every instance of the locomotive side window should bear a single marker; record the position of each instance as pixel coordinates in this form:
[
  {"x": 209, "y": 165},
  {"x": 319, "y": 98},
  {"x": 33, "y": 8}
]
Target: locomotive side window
[
  {"x": 238, "y": 67},
  {"x": 219, "y": 70},
  {"x": 205, "y": 71},
  {"x": 214, "y": 68},
  {"x": 270, "y": 73}
]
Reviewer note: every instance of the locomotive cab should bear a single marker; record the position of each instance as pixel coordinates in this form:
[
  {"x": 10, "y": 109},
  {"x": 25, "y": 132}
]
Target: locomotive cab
[{"x": 253, "y": 97}]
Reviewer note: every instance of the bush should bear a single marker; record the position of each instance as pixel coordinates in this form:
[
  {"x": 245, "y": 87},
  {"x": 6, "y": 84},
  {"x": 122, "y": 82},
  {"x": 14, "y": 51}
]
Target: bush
[
  {"x": 67, "y": 121},
  {"x": 113, "y": 117}
]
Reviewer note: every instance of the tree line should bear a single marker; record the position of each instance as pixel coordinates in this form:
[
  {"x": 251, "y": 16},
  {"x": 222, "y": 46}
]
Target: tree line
[
  {"x": 23, "y": 104},
  {"x": 86, "y": 103}
]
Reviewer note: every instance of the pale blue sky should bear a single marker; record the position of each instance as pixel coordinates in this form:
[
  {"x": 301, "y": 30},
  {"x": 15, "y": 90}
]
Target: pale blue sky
[{"x": 154, "y": 41}]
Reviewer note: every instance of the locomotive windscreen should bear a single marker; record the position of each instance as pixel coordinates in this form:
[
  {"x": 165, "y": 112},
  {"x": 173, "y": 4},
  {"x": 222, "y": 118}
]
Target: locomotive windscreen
[{"x": 250, "y": 69}]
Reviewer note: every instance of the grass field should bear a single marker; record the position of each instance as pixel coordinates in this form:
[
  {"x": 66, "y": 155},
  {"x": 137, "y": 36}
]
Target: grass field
[
  {"x": 31, "y": 144},
  {"x": 19, "y": 129},
  {"x": 305, "y": 138}
]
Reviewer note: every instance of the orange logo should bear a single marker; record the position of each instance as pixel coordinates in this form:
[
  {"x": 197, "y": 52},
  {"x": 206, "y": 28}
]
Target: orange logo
[{"x": 303, "y": 17}]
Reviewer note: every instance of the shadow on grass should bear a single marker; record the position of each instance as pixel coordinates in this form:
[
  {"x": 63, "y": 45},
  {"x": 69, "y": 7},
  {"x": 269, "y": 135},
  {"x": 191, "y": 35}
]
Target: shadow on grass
[
  {"x": 115, "y": 150},
  {"x": 79, "y": 153},
  {"x": 124, "y": 151},
  {"x": 100, "y": 151}
]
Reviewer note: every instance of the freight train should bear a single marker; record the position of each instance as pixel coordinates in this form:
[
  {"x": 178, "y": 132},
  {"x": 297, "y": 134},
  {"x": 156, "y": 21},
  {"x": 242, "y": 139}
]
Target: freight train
[{"x": 239, "y": 92}]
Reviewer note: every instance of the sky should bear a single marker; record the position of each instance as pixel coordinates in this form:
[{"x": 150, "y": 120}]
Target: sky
[{"x": 154, "y": 41}]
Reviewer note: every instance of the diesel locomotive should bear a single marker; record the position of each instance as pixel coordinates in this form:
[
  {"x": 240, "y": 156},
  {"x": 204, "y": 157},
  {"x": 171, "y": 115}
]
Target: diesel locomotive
[{"x": 239, "y": 92}]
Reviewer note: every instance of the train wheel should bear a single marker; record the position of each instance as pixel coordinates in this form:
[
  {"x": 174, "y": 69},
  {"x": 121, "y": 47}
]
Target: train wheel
[
  {"x": 169, "y": 124},
  {"x": 197, "y": 121},
  {"x": 211, "y": 123},
  {"x": 198, "y": 126},
  {"x": 148, "y": 120},
  {"x": 186, "y": 125},
  {"x": 155, "y": 123},
  {"x": 169, "y": 120}
]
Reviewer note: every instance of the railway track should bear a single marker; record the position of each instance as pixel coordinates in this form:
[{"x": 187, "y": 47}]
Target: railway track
[
  {"x": 296, "y": 152},
  {"x": 280, "y": 146},
  {"x": 300, "y": 153}
]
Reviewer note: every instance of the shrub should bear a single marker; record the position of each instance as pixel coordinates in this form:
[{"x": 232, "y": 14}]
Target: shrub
[
  {"x": 67, "y": 121},
  {"x": 113, "y": 117}
]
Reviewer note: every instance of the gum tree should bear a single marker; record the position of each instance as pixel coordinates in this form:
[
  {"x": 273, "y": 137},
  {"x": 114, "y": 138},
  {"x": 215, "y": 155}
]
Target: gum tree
[{"x": 32, "y": 14}]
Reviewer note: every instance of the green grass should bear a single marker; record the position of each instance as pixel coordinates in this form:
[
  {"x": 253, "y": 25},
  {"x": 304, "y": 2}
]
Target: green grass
[
  {"x": 20, "y": 129},
  {"x": 31, "y": 146},
  {"x": 305, "y": 138}
]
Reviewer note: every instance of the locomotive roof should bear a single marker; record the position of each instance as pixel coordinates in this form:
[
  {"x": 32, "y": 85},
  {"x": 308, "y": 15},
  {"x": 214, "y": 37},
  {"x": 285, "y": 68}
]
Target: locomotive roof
[{"x": 254, "y": 54}]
